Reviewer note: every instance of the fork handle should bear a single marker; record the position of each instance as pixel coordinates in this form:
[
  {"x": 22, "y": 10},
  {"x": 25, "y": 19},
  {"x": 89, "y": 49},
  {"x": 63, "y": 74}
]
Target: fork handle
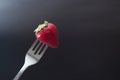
[{"x": 19, "y": 74}]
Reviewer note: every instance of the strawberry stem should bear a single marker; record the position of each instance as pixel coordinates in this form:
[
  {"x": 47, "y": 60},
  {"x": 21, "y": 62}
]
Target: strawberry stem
[{"x": 41, "y": 26}]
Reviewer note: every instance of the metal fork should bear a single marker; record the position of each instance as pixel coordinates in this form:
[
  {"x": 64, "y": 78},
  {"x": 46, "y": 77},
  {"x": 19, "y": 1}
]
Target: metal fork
[{"x": 32, "y": 57}]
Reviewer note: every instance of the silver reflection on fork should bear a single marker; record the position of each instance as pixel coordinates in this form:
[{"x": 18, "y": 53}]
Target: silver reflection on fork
[{"x": 33, "y": 55}]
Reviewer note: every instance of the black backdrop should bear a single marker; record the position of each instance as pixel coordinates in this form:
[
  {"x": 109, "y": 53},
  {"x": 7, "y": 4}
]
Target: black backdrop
[{"x": 89, "y": 37}]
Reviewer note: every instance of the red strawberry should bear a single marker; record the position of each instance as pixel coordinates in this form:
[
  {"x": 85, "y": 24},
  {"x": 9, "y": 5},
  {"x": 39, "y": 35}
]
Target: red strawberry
[{"x": 48, "y": 34}]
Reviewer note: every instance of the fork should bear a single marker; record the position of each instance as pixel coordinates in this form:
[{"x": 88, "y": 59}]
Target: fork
[{"x": 34, "y": 54}]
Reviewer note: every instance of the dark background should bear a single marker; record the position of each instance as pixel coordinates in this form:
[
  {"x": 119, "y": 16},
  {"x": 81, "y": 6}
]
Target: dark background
[{"x": 89, "y": 34}]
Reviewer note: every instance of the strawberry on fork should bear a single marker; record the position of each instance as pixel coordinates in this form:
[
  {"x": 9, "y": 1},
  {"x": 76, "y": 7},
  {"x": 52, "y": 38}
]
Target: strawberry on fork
[{"x": 48, "y": 34}]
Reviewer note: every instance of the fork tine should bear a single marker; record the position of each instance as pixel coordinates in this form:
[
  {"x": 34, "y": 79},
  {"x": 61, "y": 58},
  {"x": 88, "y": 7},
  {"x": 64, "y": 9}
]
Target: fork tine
[
  {"x": 37, "y": 46},
  {"x": 45, "y": 48},
  {"x": 33, "y": 45},
  {"x": 39, "y": 56},
  {"x": 40, "y": 48}
]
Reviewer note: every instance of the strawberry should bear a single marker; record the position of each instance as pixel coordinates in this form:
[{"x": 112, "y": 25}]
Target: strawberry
[{"x": 48, "y": 34}]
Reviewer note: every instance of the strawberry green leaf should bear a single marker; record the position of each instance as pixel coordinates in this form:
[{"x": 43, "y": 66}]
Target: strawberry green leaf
[{"x": 41, "y": 26}]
